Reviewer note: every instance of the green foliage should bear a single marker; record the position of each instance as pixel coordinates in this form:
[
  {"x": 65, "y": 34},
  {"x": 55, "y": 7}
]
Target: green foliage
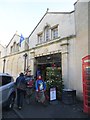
[{"x": 54, "y": 79}]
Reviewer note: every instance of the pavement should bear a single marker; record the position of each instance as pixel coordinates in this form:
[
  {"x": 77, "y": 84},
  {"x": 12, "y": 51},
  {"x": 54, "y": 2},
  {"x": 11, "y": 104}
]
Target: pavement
[{"x": 54, "y": 109}]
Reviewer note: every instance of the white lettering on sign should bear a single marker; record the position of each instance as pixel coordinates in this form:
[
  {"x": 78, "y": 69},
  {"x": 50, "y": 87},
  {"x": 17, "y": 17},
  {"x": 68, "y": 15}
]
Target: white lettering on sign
[
  {"x": 86, "y": 61},
  {"x": 88, "y": 67}
]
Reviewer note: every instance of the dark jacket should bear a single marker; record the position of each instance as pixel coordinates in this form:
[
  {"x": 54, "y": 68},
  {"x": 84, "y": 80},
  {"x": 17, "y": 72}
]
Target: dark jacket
[{"x": 20, "y": 82}]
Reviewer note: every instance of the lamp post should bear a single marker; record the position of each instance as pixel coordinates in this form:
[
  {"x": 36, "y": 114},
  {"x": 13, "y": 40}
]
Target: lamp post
[
  {"x": 25, "y": 57},
  {"x": 4, "y": 65}
]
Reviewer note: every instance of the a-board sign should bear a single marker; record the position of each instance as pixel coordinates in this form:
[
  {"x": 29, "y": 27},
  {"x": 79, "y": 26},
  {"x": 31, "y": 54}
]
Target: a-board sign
[{"x": 52, "y": 94}]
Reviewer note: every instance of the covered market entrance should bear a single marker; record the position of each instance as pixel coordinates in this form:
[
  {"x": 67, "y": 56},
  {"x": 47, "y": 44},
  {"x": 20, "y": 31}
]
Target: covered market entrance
[{"x": 50, "y": 67}]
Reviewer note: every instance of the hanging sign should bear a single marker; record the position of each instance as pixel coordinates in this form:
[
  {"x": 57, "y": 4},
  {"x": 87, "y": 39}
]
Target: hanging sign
[{"x": 52, "y": 94}]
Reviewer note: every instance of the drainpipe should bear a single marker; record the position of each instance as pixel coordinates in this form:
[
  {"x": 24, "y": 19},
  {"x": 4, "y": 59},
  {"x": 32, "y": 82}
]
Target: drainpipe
[{"x": 4, "y": 65}]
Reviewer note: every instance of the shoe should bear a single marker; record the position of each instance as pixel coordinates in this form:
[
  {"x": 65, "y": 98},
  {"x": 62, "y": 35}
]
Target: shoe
[{"x": 19, "y": 108}]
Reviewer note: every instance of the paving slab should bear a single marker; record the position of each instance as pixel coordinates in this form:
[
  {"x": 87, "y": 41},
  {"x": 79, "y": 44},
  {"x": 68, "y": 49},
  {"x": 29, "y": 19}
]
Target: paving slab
[{"x": 56, "y": 109}]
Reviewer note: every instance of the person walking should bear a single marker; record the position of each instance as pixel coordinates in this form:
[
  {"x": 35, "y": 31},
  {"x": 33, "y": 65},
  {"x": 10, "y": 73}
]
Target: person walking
[
  {"x": 20, "y": 86},
  {"x": 29, "y": 86}
]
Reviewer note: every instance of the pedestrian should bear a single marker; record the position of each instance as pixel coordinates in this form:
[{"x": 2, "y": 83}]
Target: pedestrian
[
  {"x": 20, "y": 85},
  {"x": 29, "y": 79},
  {"x": 29, "y": 85},
  {"x": 40, "y": 87}
]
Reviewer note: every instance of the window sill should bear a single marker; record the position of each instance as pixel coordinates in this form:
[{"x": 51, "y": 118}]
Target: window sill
[{"x": 48, "y": 42}]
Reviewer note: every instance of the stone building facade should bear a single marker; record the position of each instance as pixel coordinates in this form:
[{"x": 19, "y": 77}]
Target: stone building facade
[{"x": 60, "y": 39}]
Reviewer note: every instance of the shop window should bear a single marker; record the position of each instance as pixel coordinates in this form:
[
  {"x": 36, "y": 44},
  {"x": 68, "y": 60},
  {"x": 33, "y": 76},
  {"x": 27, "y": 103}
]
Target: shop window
[{"x": 54, "y": 32}]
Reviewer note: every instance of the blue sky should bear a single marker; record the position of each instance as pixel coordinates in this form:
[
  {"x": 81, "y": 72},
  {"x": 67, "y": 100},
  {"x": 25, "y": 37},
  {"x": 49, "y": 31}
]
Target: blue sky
[{"x": 23, "y": 15}]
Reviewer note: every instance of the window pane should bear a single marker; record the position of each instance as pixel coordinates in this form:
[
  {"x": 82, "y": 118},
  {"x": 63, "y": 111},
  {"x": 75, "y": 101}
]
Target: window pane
[
  {"x": 0, "y": 81},
  {"x": 6, "y": 80},
  {"x": 40, "y": 38},
  {"x": 55, "y": 33},
  {"x": 47, "y": 34}
]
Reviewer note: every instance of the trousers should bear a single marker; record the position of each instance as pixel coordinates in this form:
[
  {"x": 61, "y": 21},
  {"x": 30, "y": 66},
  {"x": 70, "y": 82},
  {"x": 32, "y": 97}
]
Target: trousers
[{"x": 20, "y": 97}]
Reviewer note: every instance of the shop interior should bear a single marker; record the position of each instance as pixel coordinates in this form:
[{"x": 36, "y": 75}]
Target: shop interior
[{"x": 49, "y": 66}]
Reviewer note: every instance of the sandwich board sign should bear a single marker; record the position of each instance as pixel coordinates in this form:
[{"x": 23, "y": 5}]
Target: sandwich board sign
[{"x": 52, "y": 94}]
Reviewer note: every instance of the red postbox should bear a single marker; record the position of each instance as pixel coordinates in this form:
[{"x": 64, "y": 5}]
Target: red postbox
[{"x": 86, "y": 83}]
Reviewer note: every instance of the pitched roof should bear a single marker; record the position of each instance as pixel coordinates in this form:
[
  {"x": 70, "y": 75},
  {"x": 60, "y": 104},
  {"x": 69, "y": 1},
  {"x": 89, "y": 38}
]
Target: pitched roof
[
  {"x": 12, "y": 39},
  {"x": 45, "y": 15}
]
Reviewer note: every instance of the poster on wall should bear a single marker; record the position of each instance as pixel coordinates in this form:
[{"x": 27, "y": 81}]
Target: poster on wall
[{"x": 52, "y": 94}]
